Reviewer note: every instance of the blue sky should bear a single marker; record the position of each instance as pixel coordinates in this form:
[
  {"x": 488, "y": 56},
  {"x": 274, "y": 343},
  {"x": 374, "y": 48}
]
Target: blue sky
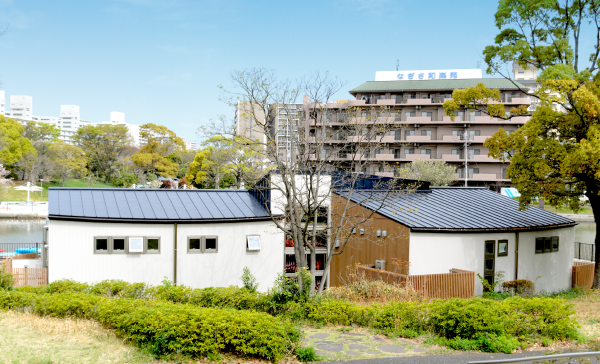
[{"x": 161, "y": 61}]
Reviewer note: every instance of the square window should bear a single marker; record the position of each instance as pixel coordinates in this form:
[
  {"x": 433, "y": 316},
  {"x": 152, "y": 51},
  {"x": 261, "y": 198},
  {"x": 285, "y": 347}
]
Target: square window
[
  {"x": 101, "y": 245},
  {"x": 555, "y": 243},
  {"x": 253, "y": 243},
  {"x": 489, "y": 264},
  {"x": 210, "y": 244},
  {"x": 153, "y": 245},
  {"x": 539, "y": 245},
  {"x": 118, "y": 245},
  {"x": 136, "y": 244},
  {"x": 502, "y": 248},
  {"x": 194, "y": 244}
]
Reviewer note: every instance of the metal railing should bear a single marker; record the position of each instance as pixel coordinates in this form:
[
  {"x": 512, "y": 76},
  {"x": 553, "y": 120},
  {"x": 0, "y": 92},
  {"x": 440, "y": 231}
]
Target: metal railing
[
  {"x": 538, "y": 358},
  {"x": 584, "y": 251},
  {"x": 12, "y": 250}
]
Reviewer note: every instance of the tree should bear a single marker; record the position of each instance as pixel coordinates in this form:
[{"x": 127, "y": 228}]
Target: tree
[
  {"x": 102, "y": 144},
  {"x": 302, "y": 183},
  {"x": 160, "y": 142},
  {"x": 13, "y": 145},
  {"x": 556, "y": 155},
  {"x": 4, "y": 182},
  {"x": 200, "y": 167},
  {"x": 41, "y": 136},
  {"x": 67, "y": 160},
  {"x": 438, "y": 173}
]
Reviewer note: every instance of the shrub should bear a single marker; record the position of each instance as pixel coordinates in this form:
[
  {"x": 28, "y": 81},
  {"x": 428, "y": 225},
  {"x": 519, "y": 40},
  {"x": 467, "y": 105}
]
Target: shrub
[
  {"x": 365, "y": 290},
  {"x": 466, "y": 318},
  {"x": 519, "y": 287},
  {"x": 67, "y": 285},
  {"x": 306, "y": 353},
  {"x": 165, "y": 328},
  {"x": 403, "y": 318},
  {"x": 485, "y": 342},
  {"x": 249, "y": 280},
  {"x": 6, "y": 279}
]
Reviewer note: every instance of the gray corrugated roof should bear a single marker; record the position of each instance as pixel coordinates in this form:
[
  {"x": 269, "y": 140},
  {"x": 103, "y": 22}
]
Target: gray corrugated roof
[
  {"x": 457, "y": 209},
  {"x": 153, "y": 205},
  {"x": 432, "y": 85}
]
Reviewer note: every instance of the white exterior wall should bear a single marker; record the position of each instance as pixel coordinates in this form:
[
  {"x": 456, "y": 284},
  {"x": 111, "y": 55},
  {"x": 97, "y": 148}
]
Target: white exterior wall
[
  {"x": 2, "y": 102},
  {"x": 432, "y": 253},
  {"x": 553, "y": 269},
  {"x": 225, "y": 267},
  {"x": 21, "y": 107},
  {"x": 71, "y": 254},
  {"x": 117, "y": 117}
]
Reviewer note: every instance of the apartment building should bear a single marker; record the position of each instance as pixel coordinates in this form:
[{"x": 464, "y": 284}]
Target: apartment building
[
  {"x": 21, "y": 107},
  {"x": 2, "y": 102},
  {"x": 410, "y": 104},
  {"x": 528, "y": 78},
  {"x": 282, "y": 121}
]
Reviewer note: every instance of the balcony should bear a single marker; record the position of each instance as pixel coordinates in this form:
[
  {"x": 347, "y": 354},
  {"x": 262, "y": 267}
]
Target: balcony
[
  {"x": 384, "y": 174},
  {"x": 484, "y": 177},
  {"x": 414, "y": 157},
  {"x": 452, "y": 157},
  {"x": 418, "y": 101},
  {"x": 483, "y": 158},
  {"x": 451, "y": 138},
  {"x": 479, "y": 138},
  {"x": 418, "y": 120},
  {"x": 386, "y": 102},
  {"x": 418, "y": 138},
  {"x": 390, "y": 139},
  {"x": 385, "y": 157}
]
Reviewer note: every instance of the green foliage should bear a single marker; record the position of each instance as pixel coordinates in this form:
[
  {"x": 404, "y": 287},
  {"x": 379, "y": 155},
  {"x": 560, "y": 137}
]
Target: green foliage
[
  {"x": 249, "y": 281},
  {"x": 13, "y": 145},
  {"x": 519, "y": 287},
  {"x": 305, "y": 354},
  {"x": 6, "y": 279},
  {"x": 491, "y": 287},
  {"x": 126, "y": 180},
  {"x": 403, "y": 318},
  {"x": 164, "y": 328},
  {"x": 288, "y": 289},
  {"x": 485, "y": 342},
  {"x": 438, "y": 173}
]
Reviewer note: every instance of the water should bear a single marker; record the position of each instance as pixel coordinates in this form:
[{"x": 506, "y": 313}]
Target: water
[
  {"x": 21, "y": 231},
  {"x": 585, "y": 232}
]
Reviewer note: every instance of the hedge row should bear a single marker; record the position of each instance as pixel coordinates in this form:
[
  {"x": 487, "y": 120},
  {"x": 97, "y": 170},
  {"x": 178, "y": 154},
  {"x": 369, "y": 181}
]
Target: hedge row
[{"x": 165, "y": 327}]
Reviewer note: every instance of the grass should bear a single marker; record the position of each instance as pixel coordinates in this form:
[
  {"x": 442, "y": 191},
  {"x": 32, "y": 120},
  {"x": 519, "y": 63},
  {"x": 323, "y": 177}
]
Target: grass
[
  {"x": 588, "y": 314},
  {"x": 27, "y": 338},
  {"x": 14, "y": 195},
  {"x": 562, "y": 210}
]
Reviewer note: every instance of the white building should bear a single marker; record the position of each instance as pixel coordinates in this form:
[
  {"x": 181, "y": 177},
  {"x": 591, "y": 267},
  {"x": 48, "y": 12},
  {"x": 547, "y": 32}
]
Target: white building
[
  {"x": 528, "y": 77},
  {"x": 2, "y": 102},
  {"x": 197, "y": 238},
  {"x": 443, "y": 228},
  {"x": 21, "y": 107},
  {"x": 118, "y": 118}
]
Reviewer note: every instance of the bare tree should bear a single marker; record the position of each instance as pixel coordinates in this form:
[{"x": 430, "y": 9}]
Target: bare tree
[{"x": 326, "y": 151}]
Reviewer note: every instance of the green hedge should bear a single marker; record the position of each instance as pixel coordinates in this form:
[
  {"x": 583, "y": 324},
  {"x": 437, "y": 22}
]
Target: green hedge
[
  {"x": 165, "y": 327},
  {"x": 474, "y": 323}
]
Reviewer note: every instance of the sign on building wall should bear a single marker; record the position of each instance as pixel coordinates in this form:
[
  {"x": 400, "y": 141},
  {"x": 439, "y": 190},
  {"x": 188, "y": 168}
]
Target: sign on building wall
[{"x": 428, "y": 75}]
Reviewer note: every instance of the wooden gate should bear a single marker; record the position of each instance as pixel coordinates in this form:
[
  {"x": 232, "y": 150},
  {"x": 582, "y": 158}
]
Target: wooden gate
[{"x": 583, "y": 274}]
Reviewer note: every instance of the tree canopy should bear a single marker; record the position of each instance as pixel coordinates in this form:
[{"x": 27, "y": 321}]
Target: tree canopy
[
  {"x": 438, "y": 173},
  {"x": 13, "y": 145}
]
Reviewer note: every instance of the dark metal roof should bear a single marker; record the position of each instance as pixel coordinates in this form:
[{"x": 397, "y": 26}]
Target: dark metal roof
[
  {"x": 153, "y": 205},
  {"x": 434, "y": 85},
  {"x": 458, "y": 209}
]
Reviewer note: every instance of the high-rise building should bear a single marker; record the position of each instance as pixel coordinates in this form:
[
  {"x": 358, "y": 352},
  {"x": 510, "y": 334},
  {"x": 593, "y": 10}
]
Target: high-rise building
[
  {"x": 21, "y": 107},
  {"x": 70, "y": 121},
  {"x": 410, "y": 104},
  {"x": 2, "y": 102}
]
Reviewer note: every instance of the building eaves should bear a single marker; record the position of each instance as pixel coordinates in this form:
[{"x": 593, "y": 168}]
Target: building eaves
[{"x": 434, "y": 85}]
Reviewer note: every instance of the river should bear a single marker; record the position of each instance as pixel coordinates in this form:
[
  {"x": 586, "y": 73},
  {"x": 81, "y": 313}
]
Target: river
[{"x": 30, "y": 231}]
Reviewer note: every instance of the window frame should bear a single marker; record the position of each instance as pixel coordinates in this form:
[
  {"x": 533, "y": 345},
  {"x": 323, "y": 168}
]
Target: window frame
[
  {"x": 539, "y": 251},
  {"x": 498, "y": 248},
  {"x": 149, "y": 251},
  {"x": 552, "y": 244},
  {"x": 112, "y": 245},
  {"x": 259, "y": 243},
  {"x": 108, "y": 243},
  {"x": 194, "y": 251},
  {"x": 208, "y": 251},
  {"x": 129, "y": 244}
]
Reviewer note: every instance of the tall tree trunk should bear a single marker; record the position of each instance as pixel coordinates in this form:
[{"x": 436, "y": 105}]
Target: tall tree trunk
[
  {"x": 217, "y": 179},
  {"x": 593, "y": 195}
]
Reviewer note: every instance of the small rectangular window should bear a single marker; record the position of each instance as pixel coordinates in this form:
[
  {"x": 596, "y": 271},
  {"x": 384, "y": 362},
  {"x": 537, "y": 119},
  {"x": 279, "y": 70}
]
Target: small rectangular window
[
  {"x": 136, "y": 244},
  {"x": 153, "y": 245},
  {"x": 502, "y": 248},
  {"x": 118, "y": 245},
  {"x": 210, "y": 244},
  {"x": 539, "y": 245},
  {"x": 101, "y": 245},
  {"x": 194, "y": 244},
  {"x": 253, "y": 243},
  {"x": 489, "y": 246},
  {"x": 547, "y": 244},
  {"x": 555, "y": 243}
]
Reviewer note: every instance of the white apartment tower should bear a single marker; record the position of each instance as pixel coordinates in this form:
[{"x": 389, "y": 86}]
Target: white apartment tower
[
  {"x": 69, "y": 121},
  {"x": 2, "y": 102},
  {"x": 21, "y": 107},
  {"x": 117, "y": 117}
]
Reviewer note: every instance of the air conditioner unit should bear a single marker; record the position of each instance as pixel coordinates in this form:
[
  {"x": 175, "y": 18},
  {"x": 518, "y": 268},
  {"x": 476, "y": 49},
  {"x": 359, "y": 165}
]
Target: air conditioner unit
[{"x": 380, "y": 264}]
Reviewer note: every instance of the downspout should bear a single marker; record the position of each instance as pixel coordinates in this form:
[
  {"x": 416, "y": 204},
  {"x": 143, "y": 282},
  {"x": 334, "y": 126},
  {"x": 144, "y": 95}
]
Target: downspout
[
  {"x": 175, "y": 254},
  {"x": 516, "y": 255}
]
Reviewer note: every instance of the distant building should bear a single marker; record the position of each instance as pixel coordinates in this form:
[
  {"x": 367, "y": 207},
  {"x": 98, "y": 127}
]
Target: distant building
[
  {"x": 2, "y": 102},
  {"x": 528, "y": 77},
  {"x": 21, "y": 107},
  {"x": 70, "y": 121}
]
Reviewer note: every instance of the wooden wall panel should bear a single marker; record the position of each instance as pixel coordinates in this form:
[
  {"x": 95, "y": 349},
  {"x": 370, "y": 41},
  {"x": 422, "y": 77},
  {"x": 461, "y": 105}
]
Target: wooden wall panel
[{"x": 365, "y": 249}]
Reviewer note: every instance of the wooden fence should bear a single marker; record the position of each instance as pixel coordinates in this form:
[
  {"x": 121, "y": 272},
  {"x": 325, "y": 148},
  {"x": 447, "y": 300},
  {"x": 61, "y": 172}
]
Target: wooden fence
[
  {"x": 458, "y": 283},
  {"x": 583, "y": 274},
  {"x": 30, "y": 277}
]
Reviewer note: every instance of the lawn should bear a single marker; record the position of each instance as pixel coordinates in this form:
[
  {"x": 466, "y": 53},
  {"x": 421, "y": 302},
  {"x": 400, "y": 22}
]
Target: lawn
[
  {"x": 588, "y": 313},
  {"x": 14, "y": 195},
  {"x": 27, "y": 338}
]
